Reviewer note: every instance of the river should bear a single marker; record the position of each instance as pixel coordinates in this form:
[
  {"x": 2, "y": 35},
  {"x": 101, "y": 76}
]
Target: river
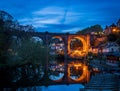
[{"x": 72, "y": 87}]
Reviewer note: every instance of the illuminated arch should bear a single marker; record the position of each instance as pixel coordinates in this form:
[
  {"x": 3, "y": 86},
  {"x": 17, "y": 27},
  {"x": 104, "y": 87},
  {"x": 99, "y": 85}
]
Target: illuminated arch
[
  {"x": 59, "y": 37},
  {"x": 80, "y": 53}
]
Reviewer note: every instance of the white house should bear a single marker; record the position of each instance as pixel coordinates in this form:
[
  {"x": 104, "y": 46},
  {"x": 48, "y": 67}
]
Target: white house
[
  {"x": 111, "y": 47},
  {"x": 112, "y": 52}
]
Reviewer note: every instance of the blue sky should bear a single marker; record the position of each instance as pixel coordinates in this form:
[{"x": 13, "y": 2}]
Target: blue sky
[{"x": 63, "y": 15}]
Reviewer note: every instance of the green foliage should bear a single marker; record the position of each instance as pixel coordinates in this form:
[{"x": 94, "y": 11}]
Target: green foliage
[
  {"x": 1, "y": 24},
  {"x": 10, "y": 52},
  {"x": 4, "y": 43},
  {"x": 95, "y": 28},
  {"x": 33, "y": 52},
  {"x": 26, "y": 52}
]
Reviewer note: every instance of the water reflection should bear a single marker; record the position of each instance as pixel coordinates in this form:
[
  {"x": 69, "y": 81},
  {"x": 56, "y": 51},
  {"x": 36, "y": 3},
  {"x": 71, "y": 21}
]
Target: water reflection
[
  {"x": 58, "y": 77},
  {"x": 76, "y": 71},
  {"x": 56, "y": 71},
  {"x": 74, "y": 87},
  {"x": 28, "y": 71}
]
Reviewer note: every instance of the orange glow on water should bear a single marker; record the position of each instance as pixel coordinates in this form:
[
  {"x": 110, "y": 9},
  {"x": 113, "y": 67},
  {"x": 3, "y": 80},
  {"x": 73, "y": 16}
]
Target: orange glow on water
[
  {"x": 85, "y": 74},
  {"x": 83, "y": 77}
]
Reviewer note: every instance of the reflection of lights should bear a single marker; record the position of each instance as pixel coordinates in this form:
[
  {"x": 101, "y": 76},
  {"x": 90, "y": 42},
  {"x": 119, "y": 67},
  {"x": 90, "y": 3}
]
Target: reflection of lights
[
  {"x": 53, "y": 69},
  {"x": 60, "y": 64},
  {"x": 77, "y": 65},
  {"x": 77, "y": 68},
  {"x": 58, "y": 72},
  {"x": 56, "y": 78},
  {"x": 59, "y": 67},
  {"x": 85, "y": 74}
]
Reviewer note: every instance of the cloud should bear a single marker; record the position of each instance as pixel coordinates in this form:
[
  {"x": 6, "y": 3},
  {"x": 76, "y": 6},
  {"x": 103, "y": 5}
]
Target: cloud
[
  {"x": 53, "y": 18},
  {"x": 47, "y": 15},
  {"x": 62, "y": 15},
  {"x": 50, "y": 10},
  {"x": 73, "y": 30},
  {"x": 37, "y": 21}
]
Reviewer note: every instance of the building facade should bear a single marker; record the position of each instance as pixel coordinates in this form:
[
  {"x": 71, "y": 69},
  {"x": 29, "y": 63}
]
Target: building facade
[{"x": 114, "y": 28}]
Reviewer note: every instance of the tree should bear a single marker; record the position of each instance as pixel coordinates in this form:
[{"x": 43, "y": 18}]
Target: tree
[
  {"x": 8, "y": 24},
  {"x": 6, "y": 19},
  {"x": 27, "y": 51},
  {"x": 5, "y": 25},
  {"x": 4, "y": 42},
  {"x": 95, "y": 28}
]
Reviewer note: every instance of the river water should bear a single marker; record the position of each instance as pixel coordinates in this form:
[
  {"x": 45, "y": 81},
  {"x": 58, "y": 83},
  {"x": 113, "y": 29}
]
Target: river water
[{"x": 72, "y": 87}]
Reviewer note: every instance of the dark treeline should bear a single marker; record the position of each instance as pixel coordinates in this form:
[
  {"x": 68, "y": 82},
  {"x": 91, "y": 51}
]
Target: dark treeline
[{"x": 22, "y": 60}]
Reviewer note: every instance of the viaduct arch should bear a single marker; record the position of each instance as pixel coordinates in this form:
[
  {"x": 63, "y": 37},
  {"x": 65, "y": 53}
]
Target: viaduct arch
[{"x": 66, "y": 37}]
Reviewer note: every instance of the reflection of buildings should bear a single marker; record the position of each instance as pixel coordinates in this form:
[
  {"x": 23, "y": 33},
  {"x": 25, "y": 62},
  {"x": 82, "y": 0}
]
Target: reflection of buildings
[
  {"x": 57, "y": 67},
  {"x": 112, "y": 52},
  {"x": 113, "y": 59}
]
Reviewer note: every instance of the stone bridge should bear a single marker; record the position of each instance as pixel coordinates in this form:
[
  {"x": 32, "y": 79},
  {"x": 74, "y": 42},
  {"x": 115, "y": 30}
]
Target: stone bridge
[{"x": 65, "y": 37}]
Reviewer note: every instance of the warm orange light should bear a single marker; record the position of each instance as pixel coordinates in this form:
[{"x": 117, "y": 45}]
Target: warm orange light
[
  {"x": 85, "y": 74},
  {"x": 84, "y": 77},
  {"x": 77, "y": 52},
  {"x": 114, "y": 30},
  {"x": 77, "y": 66}
]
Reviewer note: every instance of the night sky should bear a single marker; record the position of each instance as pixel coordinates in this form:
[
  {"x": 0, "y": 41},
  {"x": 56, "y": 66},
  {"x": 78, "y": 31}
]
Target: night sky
[{"x": 63, "y": 15}]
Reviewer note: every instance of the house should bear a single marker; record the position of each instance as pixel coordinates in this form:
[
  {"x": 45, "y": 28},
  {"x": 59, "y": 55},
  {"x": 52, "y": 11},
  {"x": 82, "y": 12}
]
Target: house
[
  {"x": 112, "y": 52},
  {"x": 110, "y": 47},
  {"x": 113, "y": 59},
  {"x": 112, "y": 29}
]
